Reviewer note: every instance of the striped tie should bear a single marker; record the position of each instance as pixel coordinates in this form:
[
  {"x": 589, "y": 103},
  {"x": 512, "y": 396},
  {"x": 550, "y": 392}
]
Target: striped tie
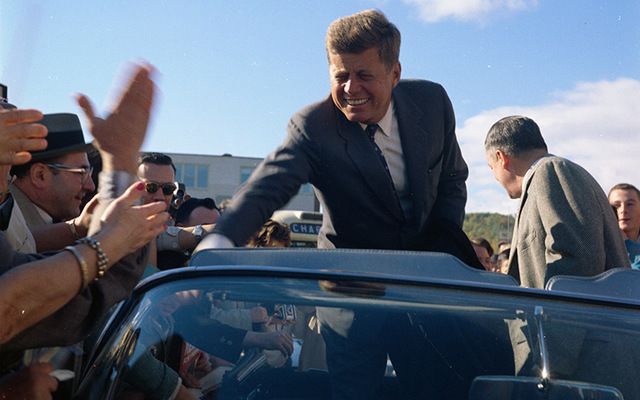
[{"x": 371, "y": 132}]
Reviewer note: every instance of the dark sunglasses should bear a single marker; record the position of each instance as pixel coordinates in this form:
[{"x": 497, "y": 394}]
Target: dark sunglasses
[{"x": 167, "y": 188}]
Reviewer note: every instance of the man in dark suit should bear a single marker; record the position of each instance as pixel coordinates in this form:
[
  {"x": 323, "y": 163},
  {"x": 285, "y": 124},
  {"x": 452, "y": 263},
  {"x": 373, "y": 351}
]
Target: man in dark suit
[
  {"x": 383, "y": 158},
  {"x": 365, "y": 203}
]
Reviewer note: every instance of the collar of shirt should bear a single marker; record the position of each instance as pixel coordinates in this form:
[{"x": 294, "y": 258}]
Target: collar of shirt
[
  {"x": 386, "y": 122},
  {"x": 45, "y": 216}
]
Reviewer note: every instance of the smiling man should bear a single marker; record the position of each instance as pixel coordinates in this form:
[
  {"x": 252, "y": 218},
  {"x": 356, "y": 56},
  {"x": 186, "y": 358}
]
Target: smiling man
[
  {"x": 381, "y": 152},
  {"x": 50, "y": 188},
  {"x": 383, "y": 158}
]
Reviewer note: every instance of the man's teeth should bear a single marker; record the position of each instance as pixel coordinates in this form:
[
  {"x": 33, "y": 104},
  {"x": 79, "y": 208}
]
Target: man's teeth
[{"x": 356, "y": 102}]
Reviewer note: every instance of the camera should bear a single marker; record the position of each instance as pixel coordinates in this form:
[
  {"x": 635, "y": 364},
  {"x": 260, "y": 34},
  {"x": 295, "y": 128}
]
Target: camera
[
  {"x": 177, "y": 199},
  {"x": 4, "y": 98}
]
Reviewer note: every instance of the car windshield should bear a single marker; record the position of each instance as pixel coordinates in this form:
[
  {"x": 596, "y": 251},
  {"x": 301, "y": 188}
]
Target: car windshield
[{"x": 222, "y": 337}]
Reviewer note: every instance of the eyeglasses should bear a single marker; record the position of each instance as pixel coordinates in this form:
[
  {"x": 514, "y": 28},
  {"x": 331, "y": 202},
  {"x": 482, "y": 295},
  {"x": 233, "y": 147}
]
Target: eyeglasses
[
  {"x": 167, "y": 188},
  {"x": 85, "y": 171}
]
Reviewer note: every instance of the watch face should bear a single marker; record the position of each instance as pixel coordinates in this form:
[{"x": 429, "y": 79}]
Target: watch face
[
  {"x": 173, "y": 230},
  {"x": 198, "y": 231}
]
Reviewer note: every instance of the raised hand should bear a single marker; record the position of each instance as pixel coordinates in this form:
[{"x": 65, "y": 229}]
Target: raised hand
[
  {"x": 120, "y": 134},
  {"x": 20, "y": 134}
]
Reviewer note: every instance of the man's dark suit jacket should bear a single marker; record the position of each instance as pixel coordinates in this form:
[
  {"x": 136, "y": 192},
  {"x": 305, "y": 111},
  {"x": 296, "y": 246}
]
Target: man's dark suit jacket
[{"x": 360, "y": 208}]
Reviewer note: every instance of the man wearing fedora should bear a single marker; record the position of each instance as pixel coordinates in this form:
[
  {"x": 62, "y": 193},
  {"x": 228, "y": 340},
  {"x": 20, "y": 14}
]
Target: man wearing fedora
[{"x": 49, "y": 189}]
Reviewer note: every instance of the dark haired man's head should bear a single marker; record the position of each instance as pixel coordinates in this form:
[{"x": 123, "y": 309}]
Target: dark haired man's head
[
  {"x": 512, "y": 145},
  {"x": 156, "y": 159},
  {"x": 369, "y": 29},
  {"x": 363, "y": 51},
  {"x": 57, "y": 185},
  {"x": 157, "y": 169},
  {"x": 515, "y": 136},
  {"x": 197, "y": 211}
]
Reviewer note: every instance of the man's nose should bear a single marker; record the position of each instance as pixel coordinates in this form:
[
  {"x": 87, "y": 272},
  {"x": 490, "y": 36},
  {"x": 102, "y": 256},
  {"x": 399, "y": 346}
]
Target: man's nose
[
  {"x": 88, "y": 185},
  {"x": 350, "y": 86},
  {"x": 622, "y": 209},
  {"x": 158, "y": 196}
]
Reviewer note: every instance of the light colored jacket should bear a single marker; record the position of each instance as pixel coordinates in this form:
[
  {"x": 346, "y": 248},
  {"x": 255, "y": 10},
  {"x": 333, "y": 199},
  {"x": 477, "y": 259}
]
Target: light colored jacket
[{"x": 565, "y": 225}]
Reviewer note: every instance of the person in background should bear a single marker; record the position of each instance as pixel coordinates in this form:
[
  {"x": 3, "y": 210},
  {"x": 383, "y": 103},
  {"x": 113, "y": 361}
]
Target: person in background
[
  {"x": 484, "y": 251},
  {"x": 272, "y": 234},
  {"x": 564, "y": 225},
  {"x": 625, "y": 200},
  {"x": 195, "y": 211},
  {"x": 158, "y": 173}
]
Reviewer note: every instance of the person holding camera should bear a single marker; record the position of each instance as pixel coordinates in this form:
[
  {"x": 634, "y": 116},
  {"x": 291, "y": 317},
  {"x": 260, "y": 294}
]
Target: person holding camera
[{"x": 158, "y": 173}]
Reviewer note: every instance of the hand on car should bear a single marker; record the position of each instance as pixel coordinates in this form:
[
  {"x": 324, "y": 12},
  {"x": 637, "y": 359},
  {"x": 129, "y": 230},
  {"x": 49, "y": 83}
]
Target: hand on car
[{"x": 32, "y": 382}]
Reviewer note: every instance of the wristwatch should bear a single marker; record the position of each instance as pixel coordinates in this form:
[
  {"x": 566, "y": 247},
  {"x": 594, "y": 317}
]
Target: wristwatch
[
  {"x": 198, "y": 232},
  {"x": 173, "y": 231}
]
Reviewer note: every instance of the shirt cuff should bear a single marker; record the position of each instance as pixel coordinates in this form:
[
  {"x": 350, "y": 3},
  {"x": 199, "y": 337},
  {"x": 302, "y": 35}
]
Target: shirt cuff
[
  {"x": 214, "y": 241},
  {"x": 113, "y": 184}
]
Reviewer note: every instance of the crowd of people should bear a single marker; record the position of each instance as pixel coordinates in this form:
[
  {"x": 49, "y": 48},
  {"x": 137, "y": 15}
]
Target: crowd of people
[{"x": 80, "y": 231}]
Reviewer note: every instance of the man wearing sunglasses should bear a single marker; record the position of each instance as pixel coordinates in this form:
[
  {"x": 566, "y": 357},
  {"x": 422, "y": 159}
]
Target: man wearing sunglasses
[
  {"x": 50, "y": 188},
  {"x": 158, "y": 173}
]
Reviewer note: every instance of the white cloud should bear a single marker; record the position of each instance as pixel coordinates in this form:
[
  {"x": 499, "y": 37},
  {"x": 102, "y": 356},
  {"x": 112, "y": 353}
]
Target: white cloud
[
  {"x": 596, "y": 124},
  {"x": 467, "y": 10}
]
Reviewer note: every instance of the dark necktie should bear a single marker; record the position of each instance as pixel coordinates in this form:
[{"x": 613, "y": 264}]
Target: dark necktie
[{"x": 371, "y": 132}]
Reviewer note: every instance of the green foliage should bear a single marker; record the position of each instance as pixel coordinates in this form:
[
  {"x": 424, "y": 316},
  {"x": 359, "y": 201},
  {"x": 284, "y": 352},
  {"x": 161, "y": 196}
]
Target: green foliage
[{"x": 492, "y": 226}]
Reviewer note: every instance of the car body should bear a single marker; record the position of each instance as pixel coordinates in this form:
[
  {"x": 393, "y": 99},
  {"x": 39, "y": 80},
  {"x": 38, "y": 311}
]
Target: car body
[{"x": 487, "y": 338}]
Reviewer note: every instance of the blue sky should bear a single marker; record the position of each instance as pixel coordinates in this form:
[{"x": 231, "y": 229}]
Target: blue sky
[{"x": 231, "y": 73}]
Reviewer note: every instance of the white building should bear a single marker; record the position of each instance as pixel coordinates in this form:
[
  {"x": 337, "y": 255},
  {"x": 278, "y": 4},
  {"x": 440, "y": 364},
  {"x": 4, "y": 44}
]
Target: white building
[{"x": 219, "y": 177}]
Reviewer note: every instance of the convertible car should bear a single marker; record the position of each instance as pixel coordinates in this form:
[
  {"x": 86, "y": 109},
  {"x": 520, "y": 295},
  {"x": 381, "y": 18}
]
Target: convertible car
[{"x": 214, "y": 330}]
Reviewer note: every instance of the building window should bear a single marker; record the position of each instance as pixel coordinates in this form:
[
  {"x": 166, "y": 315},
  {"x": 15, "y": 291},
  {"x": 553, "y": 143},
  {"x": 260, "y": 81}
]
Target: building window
[
  {"x": 245, "y": 173},
  {"x": 193, "y": 175},
  {"x": 202, "y": 176}
]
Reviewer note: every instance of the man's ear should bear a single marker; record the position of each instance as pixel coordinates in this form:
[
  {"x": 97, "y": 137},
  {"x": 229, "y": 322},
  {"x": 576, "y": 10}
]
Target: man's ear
[
  {"x": 503, "y": 159},
  {"x": 396, "y": 71},
  {"x": 39, "y": 175}
]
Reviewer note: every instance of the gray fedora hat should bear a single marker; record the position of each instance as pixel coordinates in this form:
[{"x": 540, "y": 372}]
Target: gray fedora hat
[{"x": 65, "y": 136}]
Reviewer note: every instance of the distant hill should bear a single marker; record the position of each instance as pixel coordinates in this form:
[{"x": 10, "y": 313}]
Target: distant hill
[{"x": 492, "y": 226}]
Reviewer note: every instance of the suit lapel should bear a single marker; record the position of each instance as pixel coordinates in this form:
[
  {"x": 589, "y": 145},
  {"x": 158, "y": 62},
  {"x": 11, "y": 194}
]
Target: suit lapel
[
  {"x": 31, "y": 215},
  {"x": 366, "y": 161},
  {"x": 513, "y": 254},
  {"x": 414, "y": 138}
]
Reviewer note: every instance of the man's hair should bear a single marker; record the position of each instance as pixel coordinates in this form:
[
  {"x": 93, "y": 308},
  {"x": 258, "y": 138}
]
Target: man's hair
[
  {"x": 515, "y": 135},
  {"x": 270, "y": 232},
  {"x": 482, "y": 242},
  {"x": 362, "y": 31},
  {"x": 625, "y": 186},
  {"x": 186, "y": 208},
  {"x": 157, "y": 159}
]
